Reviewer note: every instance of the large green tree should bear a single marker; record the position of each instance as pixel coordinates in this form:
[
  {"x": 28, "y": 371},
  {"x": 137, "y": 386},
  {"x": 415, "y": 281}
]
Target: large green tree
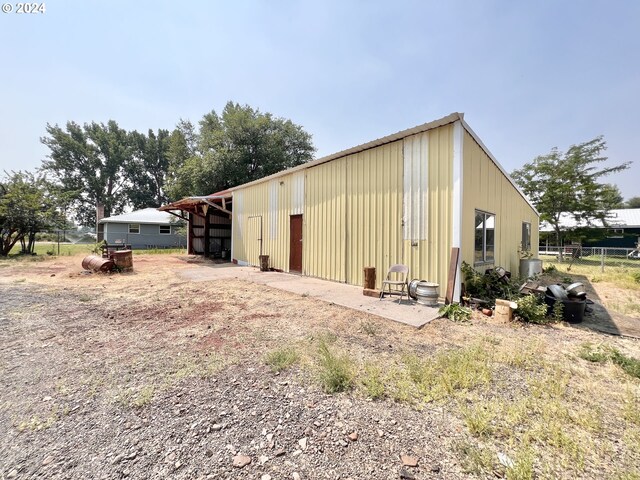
[
  {"x": 240, "y": 145},
  {"x": 633, "y": 202},
  {"x": 147, "y": 170},
  {"x": 568, "y": 183},
  {"x": 28, "y": 205},
  {"x": 91, "y": 163}
]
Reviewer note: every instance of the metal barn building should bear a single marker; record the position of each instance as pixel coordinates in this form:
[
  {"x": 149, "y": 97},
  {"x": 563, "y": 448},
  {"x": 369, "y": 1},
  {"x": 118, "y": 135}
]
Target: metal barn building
[{"x": 405, "y": 198}]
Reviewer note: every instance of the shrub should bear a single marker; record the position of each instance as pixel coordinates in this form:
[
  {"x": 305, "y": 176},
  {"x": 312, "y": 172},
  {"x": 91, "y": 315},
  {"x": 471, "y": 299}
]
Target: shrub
[
  {"x": 336, "y": 371},
  {"x": 455, "y": 312},
  {"x": 281, "y": 359},
  {"x": 551, "y": 268},
  {"x": 531, "y": 310},
  {"x": 636, "y": 277},
  {"x": 488, "y": 286},
  {"x": 373, "y": 382}
]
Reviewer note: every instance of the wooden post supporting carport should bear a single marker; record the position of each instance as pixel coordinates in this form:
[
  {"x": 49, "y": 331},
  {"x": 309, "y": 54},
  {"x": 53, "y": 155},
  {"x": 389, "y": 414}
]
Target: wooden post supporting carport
[{"x": 207, "y": 233}]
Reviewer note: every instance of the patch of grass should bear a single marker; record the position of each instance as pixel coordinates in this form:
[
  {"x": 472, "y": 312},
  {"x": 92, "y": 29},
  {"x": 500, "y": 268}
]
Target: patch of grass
[
  {"x": 631, "y": 408},
  {"x": 35, "y": 423},
  {"x": 143, "y": 396},
  {"x": 597, "y": 354},
  {"x": 336, "y": 370},
  {"x": 369, "y": 328},
  {"x": 372, "y": 381},
  {"x": 161, "y": 251},
  {"x": 450, "y": 371},
  {"x": 522, "y": 468},
  {"x": 281, "y": 358},
  {"x": 478, "y": 417},
  {"x": 475, "y": 460},
  {"x": 600, "y": 354},
  {"x": 84, "y": 298}
]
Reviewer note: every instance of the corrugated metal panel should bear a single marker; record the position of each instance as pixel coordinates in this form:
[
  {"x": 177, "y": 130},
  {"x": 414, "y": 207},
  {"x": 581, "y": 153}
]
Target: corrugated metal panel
[
  {"x": 486, "y": 188},
  {"x": 297, "y": 193},
  {"x": 271, "y": 202},
  {"x": 374, "y": 211},
  {"x": 273, "y": 209},
  {"x": 324, "y": 226},
  {"x": 428, "y": 258},
  {"x": 415, "y": 199}
]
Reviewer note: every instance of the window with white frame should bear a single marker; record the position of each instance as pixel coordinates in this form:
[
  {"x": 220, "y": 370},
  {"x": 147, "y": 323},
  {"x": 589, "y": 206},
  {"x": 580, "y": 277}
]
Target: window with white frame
[
  {"x": 484, "y": 242},
  {"x": 165, "y": 229},
  {"x": 134, "y": 228}
]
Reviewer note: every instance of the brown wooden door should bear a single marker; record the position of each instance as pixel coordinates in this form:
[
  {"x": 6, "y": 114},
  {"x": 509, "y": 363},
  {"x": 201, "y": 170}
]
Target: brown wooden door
[{"x": 295, "y": 248}]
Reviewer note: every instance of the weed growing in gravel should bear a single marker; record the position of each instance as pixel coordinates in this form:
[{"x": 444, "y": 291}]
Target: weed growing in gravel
[
  {"x": 522, "y": 468},
  {"x": 478, "y": 418},
  {"x": 336, "y": 371},
  {"x": 372, "y": 381},
  {"x": 281, "y": 358},
  {"x": 475, "y": 460},
  {"x": 84, "y": 298},
  {"x": 36, "y": 423},
  {"x": 369, "y": 328},
  {"x": 598, "y": 354},
  {"x": 631, "y": 408},
  {"x": 450, "y": 371},
  {"x": 143, "y": 397}
]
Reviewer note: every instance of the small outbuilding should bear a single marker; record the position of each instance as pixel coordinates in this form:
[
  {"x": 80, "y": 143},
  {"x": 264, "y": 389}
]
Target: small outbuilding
[
  {"x": 406, "y": 198},
  {"x": 143, "y": 229},
  {"x": 620, "y": 230}
]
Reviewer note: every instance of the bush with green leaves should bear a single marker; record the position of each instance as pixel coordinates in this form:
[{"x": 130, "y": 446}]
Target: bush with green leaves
[
  {"x": 489, "y": 286},
  {"x": 531, "y": 310},
  {"x": 455, "y": 312},
  {"x": 336, "y": 370}
]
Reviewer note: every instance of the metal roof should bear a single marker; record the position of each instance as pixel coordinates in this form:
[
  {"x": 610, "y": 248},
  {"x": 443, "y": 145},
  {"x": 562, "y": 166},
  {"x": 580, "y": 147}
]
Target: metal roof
[
  {"x": 618, "y": 218},
  {"x": 146, "y": 215},
  {"x": 451, "y": 118}
]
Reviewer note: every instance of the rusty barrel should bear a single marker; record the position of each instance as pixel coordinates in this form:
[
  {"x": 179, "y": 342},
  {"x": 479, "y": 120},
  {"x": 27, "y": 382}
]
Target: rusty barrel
[
  {"x": 123, "y": 259},
  {"x": 97, "y": 264}
]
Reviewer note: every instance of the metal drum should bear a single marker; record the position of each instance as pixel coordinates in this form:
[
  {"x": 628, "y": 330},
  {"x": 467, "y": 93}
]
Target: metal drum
[
  {"x": 413, "y": 284},
  {"x": 97, "y": 264},
  {"x": 123, "y": 259},
  {"x": 427, "y": 293}
]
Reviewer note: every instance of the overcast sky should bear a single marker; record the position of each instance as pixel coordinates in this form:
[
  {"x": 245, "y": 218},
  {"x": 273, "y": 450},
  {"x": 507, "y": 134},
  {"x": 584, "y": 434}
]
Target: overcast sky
[{"x": 529, "y": 76}]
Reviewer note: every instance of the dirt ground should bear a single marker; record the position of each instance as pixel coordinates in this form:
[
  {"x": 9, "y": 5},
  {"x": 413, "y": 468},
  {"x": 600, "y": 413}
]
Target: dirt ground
[{"x": 145, "y": 375}]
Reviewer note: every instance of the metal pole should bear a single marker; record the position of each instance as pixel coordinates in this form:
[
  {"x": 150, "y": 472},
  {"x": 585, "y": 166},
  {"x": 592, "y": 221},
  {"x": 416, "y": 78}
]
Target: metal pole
[
  {"x": 602, "y": 260},
  {"x": 58, "y": 242}
]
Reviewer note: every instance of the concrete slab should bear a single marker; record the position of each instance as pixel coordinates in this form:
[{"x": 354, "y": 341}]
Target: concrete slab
[{"x": 407, "y": 312}]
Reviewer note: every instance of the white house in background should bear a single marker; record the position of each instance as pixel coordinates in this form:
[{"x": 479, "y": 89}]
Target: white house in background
[{"x": 146, "y": 228}]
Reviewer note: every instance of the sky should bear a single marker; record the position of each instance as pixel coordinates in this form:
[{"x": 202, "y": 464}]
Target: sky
[{"x": 529, "y": 76}]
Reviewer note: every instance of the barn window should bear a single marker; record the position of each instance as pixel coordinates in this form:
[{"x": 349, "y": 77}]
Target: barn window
[
  {"x": 165, "y": 229},
  {"x": 134, "y": 228},
  {"x": 615, "y": 233},
  {"x": 484, "y": 243},
  {"x": 526, "y": 236}
]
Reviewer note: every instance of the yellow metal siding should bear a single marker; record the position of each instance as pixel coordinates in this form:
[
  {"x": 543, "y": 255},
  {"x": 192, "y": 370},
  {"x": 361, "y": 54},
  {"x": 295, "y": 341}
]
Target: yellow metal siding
[
  {"x": 374, "y": 211},
  {"x": 428, "y": 259},
  {"x": 324, "y": 226},
  {"x": 486, "y": 188},
  {"x": 271, "y": 202}
]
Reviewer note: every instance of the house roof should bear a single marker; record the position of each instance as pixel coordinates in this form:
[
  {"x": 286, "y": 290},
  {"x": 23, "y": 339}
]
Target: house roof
[
  {"x": 618, "y": 218},
  {"x": 146, "y": 215}
]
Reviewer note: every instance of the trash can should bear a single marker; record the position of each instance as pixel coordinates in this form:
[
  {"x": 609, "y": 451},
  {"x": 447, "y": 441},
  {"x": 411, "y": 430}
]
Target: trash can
[{"x": 264, "y": 263}]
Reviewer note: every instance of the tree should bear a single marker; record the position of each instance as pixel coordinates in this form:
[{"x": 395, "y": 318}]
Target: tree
[
  {"x": 28, "y": 205},
  {"x": 567, "y": 182},
  {"x": 633, "y": 202},
  {"x": 239, "y": 146},
  {"x": 91, "y": 163},
  {"x": 147, "y": 170}
]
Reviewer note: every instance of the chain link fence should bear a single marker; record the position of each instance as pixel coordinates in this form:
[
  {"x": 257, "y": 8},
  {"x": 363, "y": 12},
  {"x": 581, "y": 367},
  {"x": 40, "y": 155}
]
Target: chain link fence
[{"x": 596, "y": 257}]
